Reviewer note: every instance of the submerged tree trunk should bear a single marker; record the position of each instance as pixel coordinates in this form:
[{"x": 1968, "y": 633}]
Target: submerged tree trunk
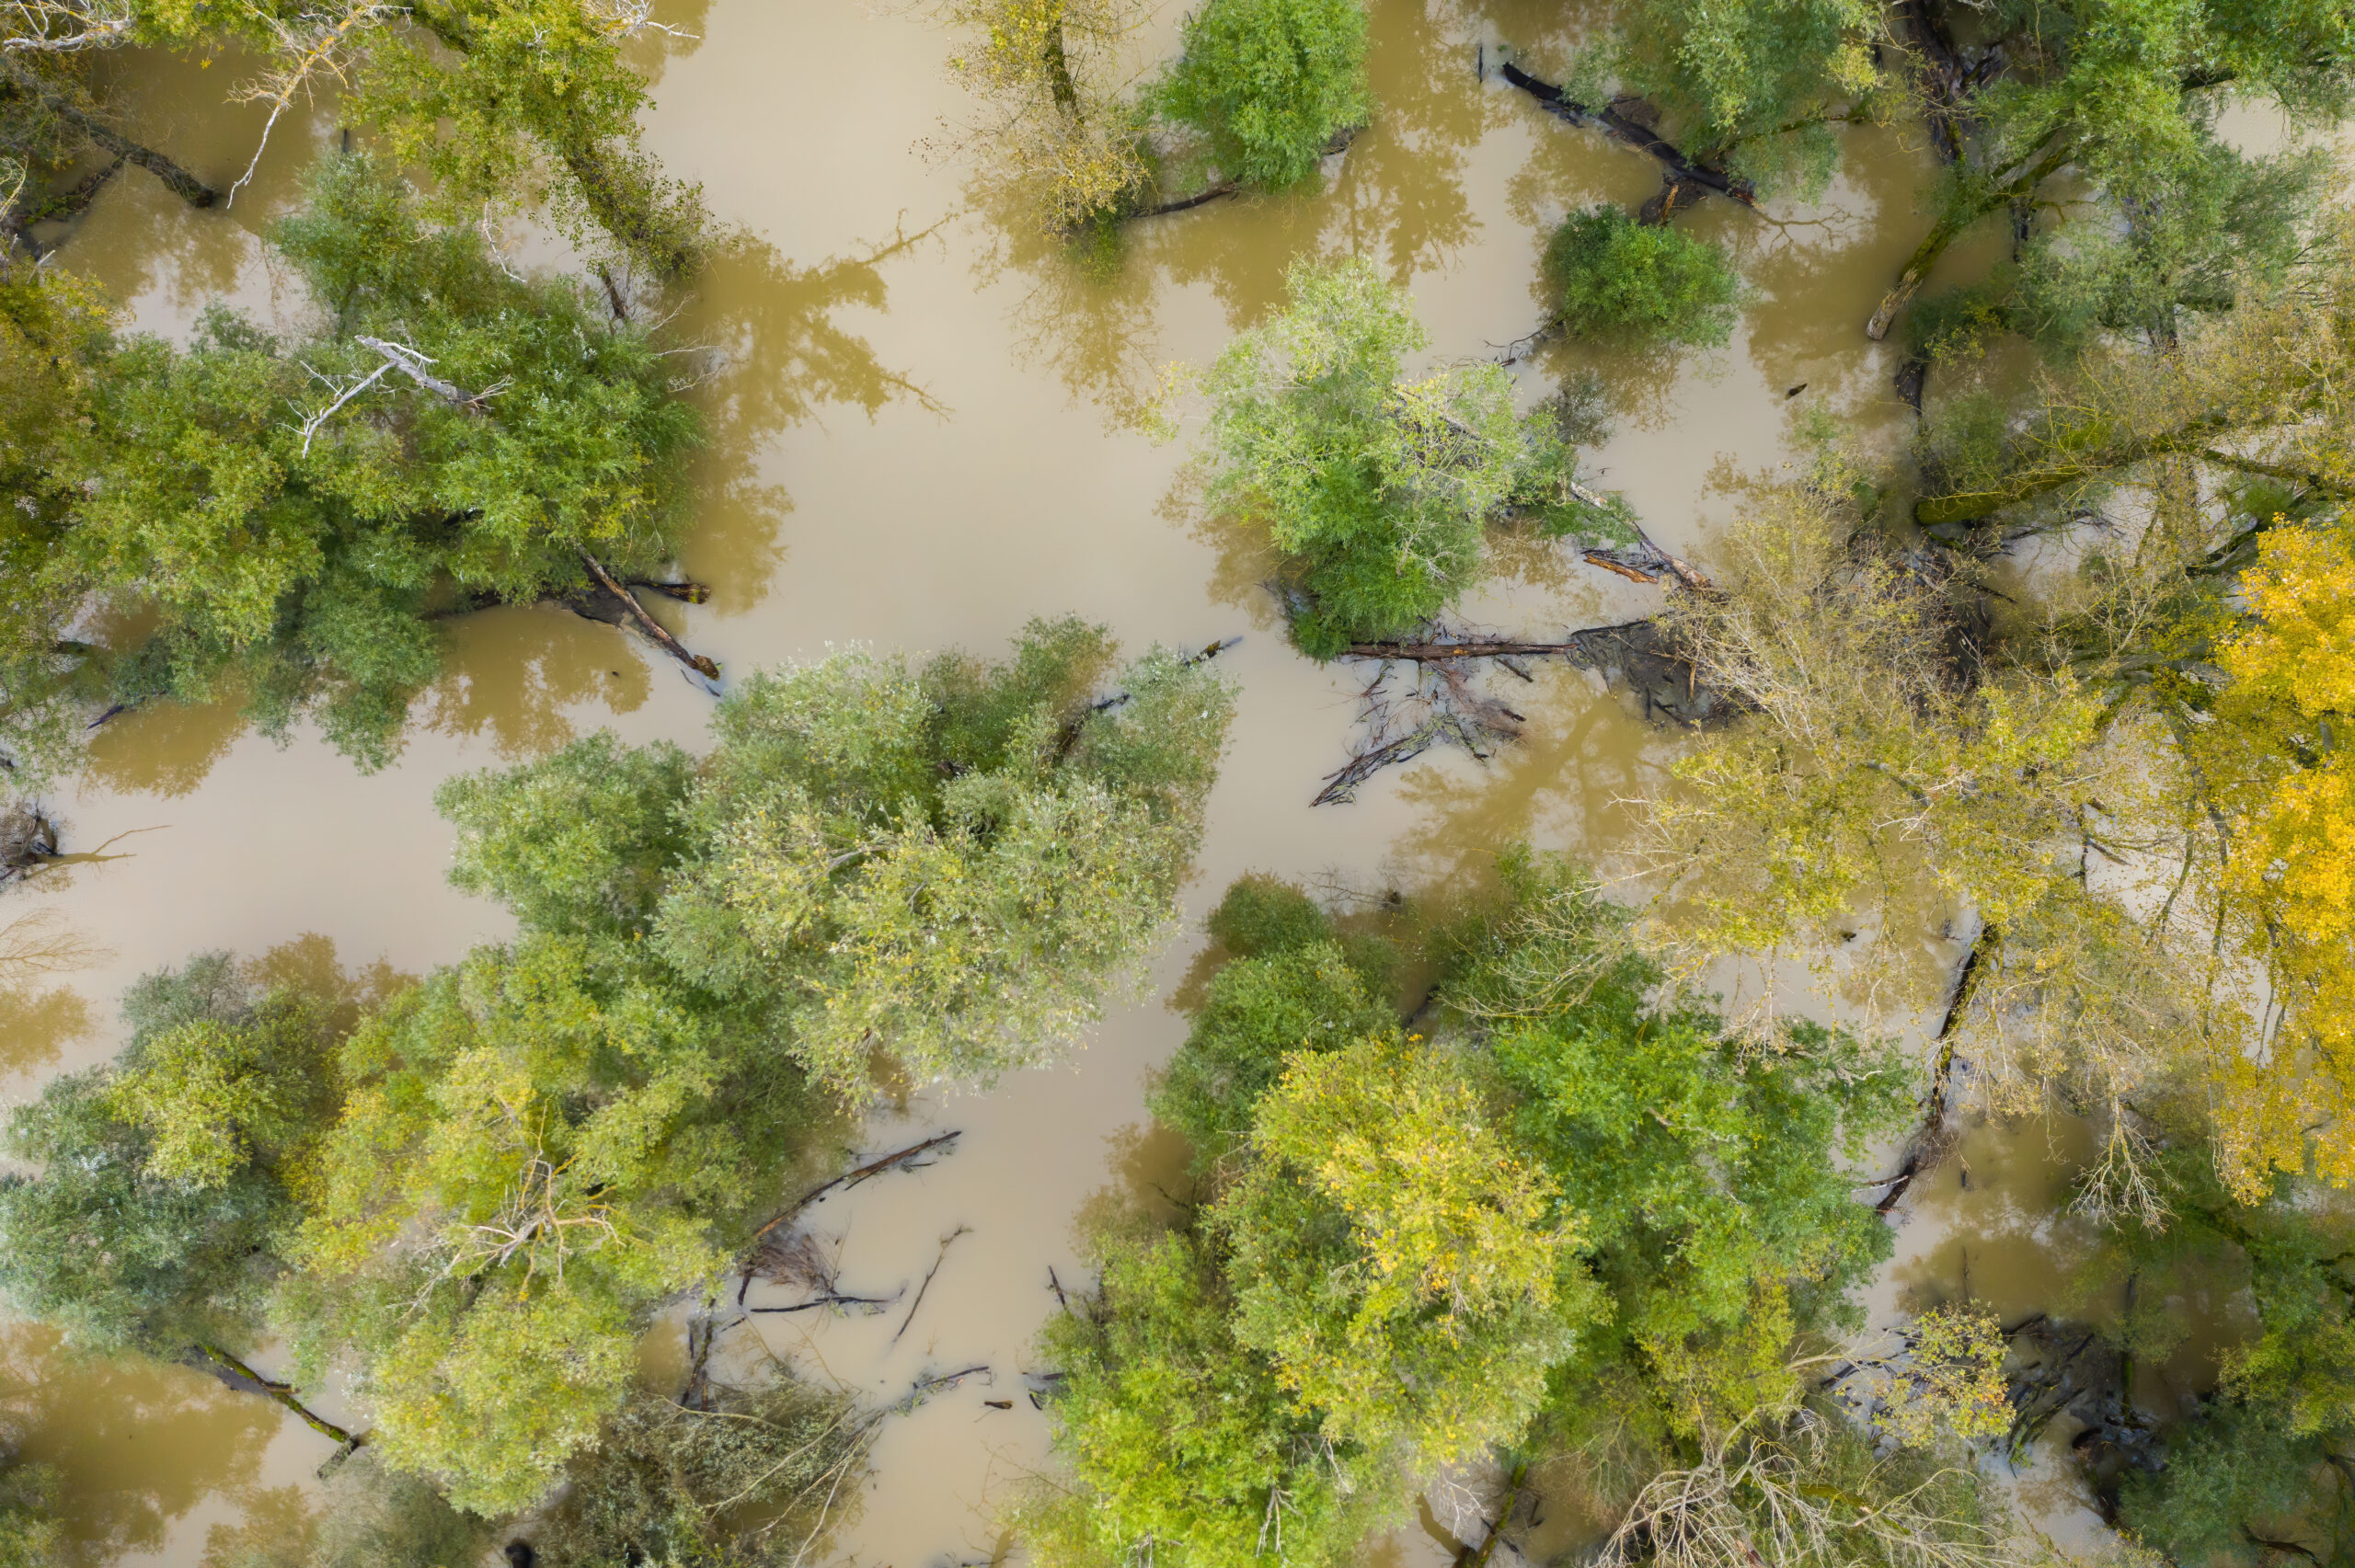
[
  {"x": 181, "y": 183},
  {"x": 1682, "y": 169},
  {"x": 707, "y": 668},
  {"x": 237, "y": 1375},
  {"x": 1059, "y": 78},
  {"x": 1922, "y": 1150},
  {"x": 1948, "y": 229},
  {"x": 2193, "y": 439}
]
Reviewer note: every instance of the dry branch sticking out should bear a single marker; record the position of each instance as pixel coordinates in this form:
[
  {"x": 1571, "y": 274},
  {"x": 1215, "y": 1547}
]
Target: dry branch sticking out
[{"x": 1443, "y": 705}]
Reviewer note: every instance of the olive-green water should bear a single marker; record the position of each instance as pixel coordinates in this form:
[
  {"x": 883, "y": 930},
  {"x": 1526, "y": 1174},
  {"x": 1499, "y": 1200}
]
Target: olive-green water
[{"x": 925, "y": 437}]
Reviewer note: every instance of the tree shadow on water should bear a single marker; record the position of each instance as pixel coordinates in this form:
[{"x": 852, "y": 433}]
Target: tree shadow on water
[
  {"x": 137, "y": 1444},
  {"x": 778, "y": 357}
]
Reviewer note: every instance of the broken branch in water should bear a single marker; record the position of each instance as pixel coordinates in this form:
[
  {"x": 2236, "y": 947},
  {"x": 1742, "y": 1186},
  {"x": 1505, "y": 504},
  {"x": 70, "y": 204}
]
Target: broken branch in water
[
  {"x": 1682, "y": 170},
  {"x": 1443, "y": 705},
  {"x": 1467, "y": 1557},
  {"x": 237, "y": 1375},
  {"x": 1923, "y": 1149},
  {"x": 873, "y": 1305},
  {"x": 703, "y": 1333},
  {"x": 898, "y": 1160},
  {"x": 707, "y": 668},
  {"x": 925, "y": 1387},
  {"x": 937, "y": 1260},
  {"x": 911, "y": 1158}
]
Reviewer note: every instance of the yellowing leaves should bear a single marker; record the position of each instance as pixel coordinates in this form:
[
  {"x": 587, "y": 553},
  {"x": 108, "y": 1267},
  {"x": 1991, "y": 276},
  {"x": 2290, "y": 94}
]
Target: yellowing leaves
[{"x": 1445, "y": 1213}]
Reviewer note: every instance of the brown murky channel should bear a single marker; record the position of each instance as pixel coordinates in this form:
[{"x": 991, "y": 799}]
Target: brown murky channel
[{"x": 925, "y": 437}]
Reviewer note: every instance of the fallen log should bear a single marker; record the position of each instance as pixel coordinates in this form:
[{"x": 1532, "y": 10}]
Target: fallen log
[
  {"x": 1617, "y": 124},
  {"x": 1467, "y": 1557},
  {"x": 707, "y": 668},
  {"x": 925, "y": 1388},
  {"x": 1637, "y": 653},
  {"x": 897, "y": 1160},
  {"x": 177, "y": 180},
  {"x": 245, "y": 1379},
  {"x": 874, "y": 1305},
  {"x": 939, "y": 1258},
  {"x": 1924, "y": 1147}
]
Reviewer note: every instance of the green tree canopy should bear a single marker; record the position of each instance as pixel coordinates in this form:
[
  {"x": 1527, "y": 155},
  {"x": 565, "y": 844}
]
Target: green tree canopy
[
  {"x": 878, "y": 870},
  {"x": 499, "y": 101},
  {"x": 288, "y": 515},
  {"x": 1579, "y": 1212},
  {"x": 1268, "y": 84},
  {"x": 1375, "y": 490},
  {"x": 166, "y": 1178},
  {"x": 1619, "y": 279}
]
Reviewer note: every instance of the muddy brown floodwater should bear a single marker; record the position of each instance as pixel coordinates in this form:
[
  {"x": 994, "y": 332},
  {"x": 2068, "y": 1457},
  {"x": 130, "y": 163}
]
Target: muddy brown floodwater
[{"x": 925, "y": 437}]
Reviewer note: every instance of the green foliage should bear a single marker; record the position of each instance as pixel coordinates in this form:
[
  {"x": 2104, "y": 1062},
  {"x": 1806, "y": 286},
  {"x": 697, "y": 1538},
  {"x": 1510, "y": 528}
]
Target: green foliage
[
  {"x": 1268, "y": 82},
  {"x": 2258, "y": 1464},
  {"x": 1181, "y": 1439},
  {"x": 167, "y": 1178},
  {"x": 2217, "y": 228},
  {"x": 505, "y": 100},
  {"x": 1294, "y": 983},
  {"x": 1702, "y": 1171},
  {"x": 926, "y": 875},
  {"x": 1375, "y": 490},
  {"x": 678, "y": 1487},
  {"x": 944, "y": 866},
  {"x": 554, "y": 1127},
  {"x": 297, "y": 559},
  {"x": 577, "y": 843},
  {"x": 1639, "y": 282},
  {"x": 1409, "y": 1272},
  {"x": 2236, "y": 1480},
  {"x": 1739, "y": 72},
  {"x": 1583, "y": 1211},
  {"x": 30, "y": 1533}
]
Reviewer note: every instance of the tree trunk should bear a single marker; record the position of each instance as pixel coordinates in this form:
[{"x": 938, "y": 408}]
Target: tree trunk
[
  {"x": 1950, "y": 227},
  {"x": 603, "y": 191},
  {"x": 1066, "y": 91},
  {"x": 181, "y": 183},
  {"x": 1919, "y": 1151},
  {"x": 1467, "y": 1558},
  {"x": 2027, "y": 484},
  {"x": 1641, "y": 137},
  {"x": 237, "y": 1375},
  {"x": 707, "y": 668}
]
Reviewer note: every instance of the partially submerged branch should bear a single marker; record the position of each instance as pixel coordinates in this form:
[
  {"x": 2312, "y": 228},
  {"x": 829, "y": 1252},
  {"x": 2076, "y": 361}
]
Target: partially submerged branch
[
  {"x": 707, "y": 668},
  {"x": 181, "y": 183},
  {"x": 1928, "y": 1142},
  {"x": 237, "y": 1375},
  {"x": 1682, "y": 170}
]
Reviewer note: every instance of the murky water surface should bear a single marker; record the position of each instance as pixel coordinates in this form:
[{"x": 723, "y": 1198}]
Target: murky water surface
[{"x": 925, "y": 437}]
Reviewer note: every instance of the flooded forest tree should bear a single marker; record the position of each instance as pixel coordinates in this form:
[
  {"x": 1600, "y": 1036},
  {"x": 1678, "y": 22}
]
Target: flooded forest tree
[
  {"x": 476, "y": 1191},
  {"x": 292, "y": 517},
  {"x": 1072, "y": 121},
  {"x": 501, "y": 101},
  {"x": 1377, "y": 490},
  {"x": 1503, "y": 1235}
]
